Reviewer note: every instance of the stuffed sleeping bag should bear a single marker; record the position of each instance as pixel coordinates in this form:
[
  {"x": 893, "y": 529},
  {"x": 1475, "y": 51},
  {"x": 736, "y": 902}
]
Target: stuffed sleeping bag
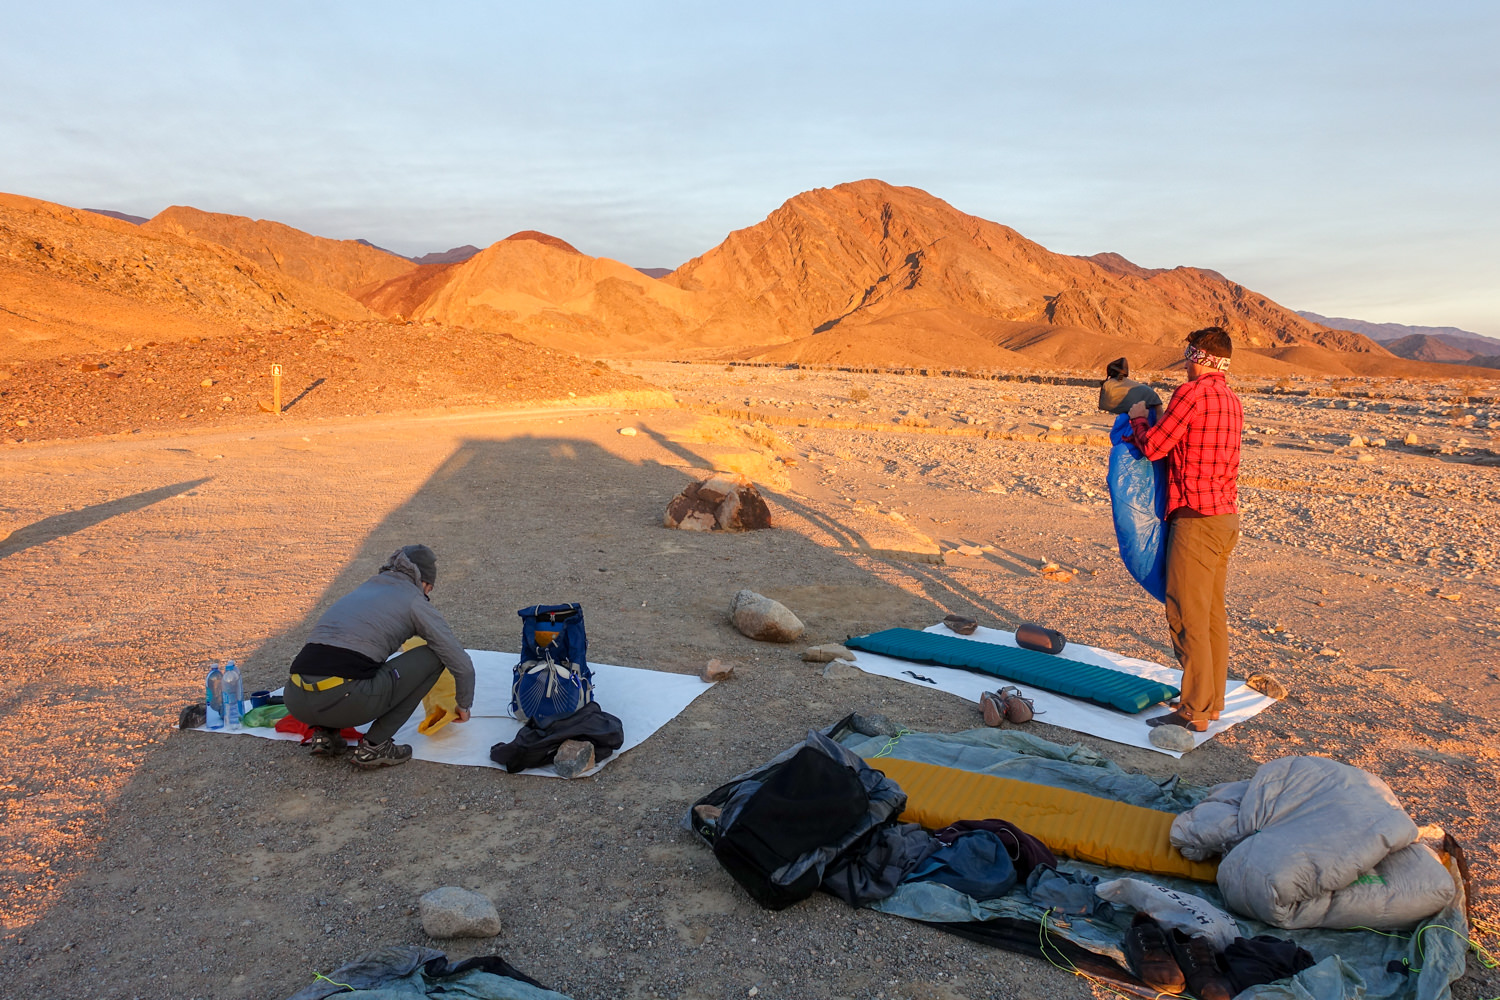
[{"x": 1138, "y": 496}]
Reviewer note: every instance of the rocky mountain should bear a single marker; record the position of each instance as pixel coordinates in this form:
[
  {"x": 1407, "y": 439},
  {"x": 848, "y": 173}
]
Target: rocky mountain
[
  {"x": 134, "y": 220},
  {"x": 869, "y": 253},
  {"x": 457, "y": 255},
  {"x": 1384, "y": 333},
  {"x": 75, "y": 280},
  {"x": 1424, "y": 347},
  {"x": 344, "y": 265}
]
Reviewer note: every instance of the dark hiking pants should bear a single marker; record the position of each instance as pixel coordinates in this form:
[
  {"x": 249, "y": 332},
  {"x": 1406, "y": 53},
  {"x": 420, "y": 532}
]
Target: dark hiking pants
[{"x": 389, "y": 698}]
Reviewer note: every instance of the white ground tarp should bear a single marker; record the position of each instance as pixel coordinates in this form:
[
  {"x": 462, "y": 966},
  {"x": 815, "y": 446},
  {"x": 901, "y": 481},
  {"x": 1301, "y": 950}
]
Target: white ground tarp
[
  {"x": 1240, "y": 702},
  {"x": 643, "y": 700}
]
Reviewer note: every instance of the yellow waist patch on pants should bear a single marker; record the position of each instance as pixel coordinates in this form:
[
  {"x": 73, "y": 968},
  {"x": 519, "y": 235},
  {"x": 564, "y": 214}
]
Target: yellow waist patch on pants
[{"x": 1086, "y": 827}]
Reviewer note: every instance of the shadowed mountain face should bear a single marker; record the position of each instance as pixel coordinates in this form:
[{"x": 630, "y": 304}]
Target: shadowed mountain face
[
  {"x": 343, "y": 265},
  {"x": 457, "y": 255},
  {"x": 77, "y": 281},
  {"x": 134, "y": 220},
  {"x": 1421, "y": 347}
]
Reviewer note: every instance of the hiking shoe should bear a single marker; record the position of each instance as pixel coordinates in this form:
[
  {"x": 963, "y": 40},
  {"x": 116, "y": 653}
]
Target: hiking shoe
[
  {"x": 993, "y": 707},
  {"x": 960, "y": 624},
  {"x": 1149, "y": 952},
  {"x": 324, "y": 742},
  {"x": 1017, "y": 709},
  {"x": 387, "y": 754},
  {"x": 1200, "y": 967}
]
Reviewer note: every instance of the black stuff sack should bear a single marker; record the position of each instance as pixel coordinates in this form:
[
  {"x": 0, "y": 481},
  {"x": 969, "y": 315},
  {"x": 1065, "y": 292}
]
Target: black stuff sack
[{"x": 805, "y": 803}]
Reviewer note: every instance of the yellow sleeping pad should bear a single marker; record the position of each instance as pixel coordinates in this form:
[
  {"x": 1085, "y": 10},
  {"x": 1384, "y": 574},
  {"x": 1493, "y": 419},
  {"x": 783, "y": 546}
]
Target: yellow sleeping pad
[{"x": 1086, "y": 827}]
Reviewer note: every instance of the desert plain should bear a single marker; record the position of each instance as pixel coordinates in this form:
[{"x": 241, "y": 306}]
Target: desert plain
[{"x": 156, "y": 517}]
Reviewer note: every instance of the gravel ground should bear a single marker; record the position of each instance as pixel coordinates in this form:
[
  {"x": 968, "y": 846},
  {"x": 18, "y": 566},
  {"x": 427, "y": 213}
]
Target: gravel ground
[{"x": 143, "y": 862}]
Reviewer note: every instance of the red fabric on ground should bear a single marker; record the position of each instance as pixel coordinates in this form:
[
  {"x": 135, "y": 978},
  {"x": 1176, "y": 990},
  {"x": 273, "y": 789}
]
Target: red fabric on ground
[{"x": 287, "y": 724}]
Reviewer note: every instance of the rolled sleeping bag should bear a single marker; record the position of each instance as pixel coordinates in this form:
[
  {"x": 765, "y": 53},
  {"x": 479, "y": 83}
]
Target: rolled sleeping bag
[
  {"x": 1040, "y": 638},
  {"x": 1138, "y": 498}
]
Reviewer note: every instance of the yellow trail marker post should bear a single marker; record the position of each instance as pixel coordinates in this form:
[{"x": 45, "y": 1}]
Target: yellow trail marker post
[{"x": 276, "y": 389}]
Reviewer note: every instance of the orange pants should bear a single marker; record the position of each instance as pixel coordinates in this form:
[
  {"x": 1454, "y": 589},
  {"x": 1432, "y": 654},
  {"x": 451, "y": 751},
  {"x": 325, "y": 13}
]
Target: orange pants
[{"x": 1197, "y": 562}]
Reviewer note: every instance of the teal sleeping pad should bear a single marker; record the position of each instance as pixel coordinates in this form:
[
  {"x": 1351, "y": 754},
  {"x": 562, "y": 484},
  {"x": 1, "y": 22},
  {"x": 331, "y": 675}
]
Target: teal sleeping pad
[{"x": 1110, "y": 688}]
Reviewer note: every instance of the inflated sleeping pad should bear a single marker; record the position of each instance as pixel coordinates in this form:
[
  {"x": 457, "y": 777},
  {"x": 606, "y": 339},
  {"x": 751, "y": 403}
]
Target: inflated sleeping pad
[
  {"x": 1086, "y": 827},
  {"x": 1111, "y": 688}
]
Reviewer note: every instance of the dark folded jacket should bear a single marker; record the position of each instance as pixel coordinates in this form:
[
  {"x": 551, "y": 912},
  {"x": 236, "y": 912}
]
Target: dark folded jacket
[{"x": 537, "y": 742}]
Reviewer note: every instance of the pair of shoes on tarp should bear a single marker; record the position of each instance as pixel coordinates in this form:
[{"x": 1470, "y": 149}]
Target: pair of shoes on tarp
[
  {"x": 1005, "y": 705},
  {"x": 1172, "y": 962},
  {"x": 325, "y": 742}
]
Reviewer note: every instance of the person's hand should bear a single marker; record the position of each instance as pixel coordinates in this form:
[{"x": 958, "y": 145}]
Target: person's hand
[
  {"x": 1138, "y": 410},
  {"x": 461, "y": 715}
]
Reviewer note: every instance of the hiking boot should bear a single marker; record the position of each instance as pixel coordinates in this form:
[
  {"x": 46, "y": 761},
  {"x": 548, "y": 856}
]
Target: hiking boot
[
  {"x": 387, "y": 754},
  {"x": 1200, "y": 967},
  {"x": 1149, "y": 952},
  {"x": 1017, "y": 709},
  {"x": 993, "y": 707},
  {"x": 324, "y": 742}
]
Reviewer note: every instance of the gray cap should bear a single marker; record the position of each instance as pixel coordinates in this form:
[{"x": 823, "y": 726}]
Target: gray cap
[{"x": 424, "y": 559}]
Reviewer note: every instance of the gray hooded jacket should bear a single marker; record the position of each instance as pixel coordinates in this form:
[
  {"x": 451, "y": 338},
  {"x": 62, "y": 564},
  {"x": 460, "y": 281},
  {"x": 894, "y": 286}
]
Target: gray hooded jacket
[{"x": 383, "y": 612}]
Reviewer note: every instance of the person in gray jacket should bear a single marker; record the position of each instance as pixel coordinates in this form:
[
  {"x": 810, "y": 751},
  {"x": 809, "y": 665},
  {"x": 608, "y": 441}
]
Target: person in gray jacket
[
  {"x": 342, "y": 678},
  {"x": 1119, "y": 392}
]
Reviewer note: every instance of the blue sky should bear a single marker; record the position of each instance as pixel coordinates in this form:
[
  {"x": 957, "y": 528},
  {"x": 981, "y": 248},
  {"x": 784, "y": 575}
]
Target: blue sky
[{"x": 1339, "y": 157}]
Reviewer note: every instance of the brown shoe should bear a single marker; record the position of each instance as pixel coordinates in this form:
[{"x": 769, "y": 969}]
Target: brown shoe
[
  {"x": 993, "y": 707},
  {"x": 1200, "y": 967},
  {"x": 1149, "y": 952},
  {"x": 1017, "y": 709},
  {"x": 960, "y": 624}
]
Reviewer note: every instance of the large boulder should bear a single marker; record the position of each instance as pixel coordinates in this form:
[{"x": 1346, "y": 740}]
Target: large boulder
[
  {"x": 719, "y": 503},
  {"x": 763, "y": 619},
  {"x": 451, "y": 912}
]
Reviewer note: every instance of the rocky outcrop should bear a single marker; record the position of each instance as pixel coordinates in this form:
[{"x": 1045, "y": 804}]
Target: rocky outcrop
[{"x": 719, "y": 503}]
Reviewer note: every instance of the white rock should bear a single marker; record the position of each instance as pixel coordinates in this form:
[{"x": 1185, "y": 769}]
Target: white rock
[
  {"x": 451, "y": 912},
  {"x": 629, "y": 432},
  {"x": 1412, "y": 439},
  {"x": 1356, "y": 441},
  {"x": 1172, "y": 738},
  {"x": 763, "y": 619},
  {"x": 827, "y": 651}
]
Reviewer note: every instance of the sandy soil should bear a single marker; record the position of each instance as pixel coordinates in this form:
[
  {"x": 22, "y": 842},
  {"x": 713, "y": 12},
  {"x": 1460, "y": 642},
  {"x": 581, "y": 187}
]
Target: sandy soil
[{"x": 143, "y": 862}]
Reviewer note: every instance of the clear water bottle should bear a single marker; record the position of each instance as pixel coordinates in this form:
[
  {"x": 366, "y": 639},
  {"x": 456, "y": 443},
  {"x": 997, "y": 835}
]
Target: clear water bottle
[
  {"x": 234, "y": 695},
  {"x": 213, "y": 694}
]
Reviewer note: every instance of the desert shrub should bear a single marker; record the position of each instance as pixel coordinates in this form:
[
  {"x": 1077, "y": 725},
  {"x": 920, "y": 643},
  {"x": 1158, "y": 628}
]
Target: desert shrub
[{"x": 859, "y": 394}]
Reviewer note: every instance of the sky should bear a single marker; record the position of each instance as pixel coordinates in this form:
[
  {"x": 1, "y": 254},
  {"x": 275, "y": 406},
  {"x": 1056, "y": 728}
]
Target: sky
[{"x": 1339, "y": 157}]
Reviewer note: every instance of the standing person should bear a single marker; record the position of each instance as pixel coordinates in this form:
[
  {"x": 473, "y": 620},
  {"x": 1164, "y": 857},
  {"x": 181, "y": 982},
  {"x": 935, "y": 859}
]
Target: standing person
[
  {"x": 1199, "y": 434},
  {"x": 342, "y": 678},
  {"x": 1119, "y": 392}
]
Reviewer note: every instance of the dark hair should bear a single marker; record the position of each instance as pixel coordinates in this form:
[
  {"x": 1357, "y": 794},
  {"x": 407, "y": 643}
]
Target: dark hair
[
  {"x": 1118, "y": 368},
  {"x": 1213, "y": 339}
]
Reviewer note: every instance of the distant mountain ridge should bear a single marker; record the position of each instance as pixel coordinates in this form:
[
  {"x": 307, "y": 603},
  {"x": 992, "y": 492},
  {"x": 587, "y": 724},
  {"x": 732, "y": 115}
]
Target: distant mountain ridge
[
  {"x": 1384, "y": 333},
  {"x": 134, "y": 220}
]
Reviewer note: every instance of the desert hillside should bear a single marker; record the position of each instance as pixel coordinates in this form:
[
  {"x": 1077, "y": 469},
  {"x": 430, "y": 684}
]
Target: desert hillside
[
  {"x": 76, "y": 281},
  {"x": 344, "y": 265}
]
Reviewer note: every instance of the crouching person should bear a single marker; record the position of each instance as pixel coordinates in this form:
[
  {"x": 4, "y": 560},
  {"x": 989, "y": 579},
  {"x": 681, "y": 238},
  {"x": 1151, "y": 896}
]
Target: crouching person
[{"x": 342, "y": 678}]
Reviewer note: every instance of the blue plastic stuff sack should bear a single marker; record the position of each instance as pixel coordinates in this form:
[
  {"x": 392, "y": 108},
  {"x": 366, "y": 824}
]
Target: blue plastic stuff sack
[{"x": 1138, "y": 496}]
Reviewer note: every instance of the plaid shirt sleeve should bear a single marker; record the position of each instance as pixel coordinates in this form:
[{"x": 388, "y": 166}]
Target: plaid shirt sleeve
[{"x": 1200, "y": 433}]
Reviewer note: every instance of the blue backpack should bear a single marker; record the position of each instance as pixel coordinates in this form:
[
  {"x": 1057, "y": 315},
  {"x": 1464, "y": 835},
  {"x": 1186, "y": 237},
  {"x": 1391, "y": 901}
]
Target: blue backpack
[{"x": 553, "y": 676}]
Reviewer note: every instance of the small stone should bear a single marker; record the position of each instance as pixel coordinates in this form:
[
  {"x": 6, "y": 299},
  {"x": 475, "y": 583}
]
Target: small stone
[
  {"x": 1175, "y": 738},
  {"x": 827, "y": 651},
  {"x": 1365, "y": 457},
  {"x": 629, "y": 432},
  {"x": 1056, "y": 425},
  {"x": 1452, "y": 597},
  {"x": 874, "y": 724},
  {"x": 716, "y": 670},
  {"x": 207, "y": 383},
  {"x": 573, "y": 758},
  {"x": 838, "y": 670},
  {"x": 763, "y": 619},
  {"x": 1356, "y": 441},
  {"x": 451, "y": 912},
  {"x": 1266, "y": 685},
  {"x": 1377, "y": 442},
  {"x": 1411, "y": 439},
  {"x": 1329, "y": 651},
  {"x": 970, "y": 550}
]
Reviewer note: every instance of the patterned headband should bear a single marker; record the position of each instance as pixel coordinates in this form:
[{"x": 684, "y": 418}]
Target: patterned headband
[{"x": 1198, "y": 356}]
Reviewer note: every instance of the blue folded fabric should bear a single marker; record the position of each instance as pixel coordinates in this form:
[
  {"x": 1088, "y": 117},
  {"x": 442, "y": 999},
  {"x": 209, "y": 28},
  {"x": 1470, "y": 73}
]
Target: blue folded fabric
[{"x": 976, "y": 864}]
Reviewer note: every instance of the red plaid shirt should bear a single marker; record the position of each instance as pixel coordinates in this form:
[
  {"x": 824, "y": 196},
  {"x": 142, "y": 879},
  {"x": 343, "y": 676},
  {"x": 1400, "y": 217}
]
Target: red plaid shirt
[{"x": 1200, "y": 432}]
